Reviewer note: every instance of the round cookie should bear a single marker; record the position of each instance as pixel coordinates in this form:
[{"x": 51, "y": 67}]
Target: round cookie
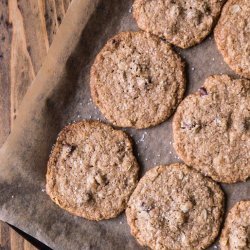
[
  {"x": 175, "y": 207},
  {"x": 91, "y": 171},
  {"x": 182, "y": 23},
  {"x": 232, "y": 35},
  {"x": 236, "y": 232},
  {"x": 211, "y": 129},
  {"x": 137, "y": 80}
]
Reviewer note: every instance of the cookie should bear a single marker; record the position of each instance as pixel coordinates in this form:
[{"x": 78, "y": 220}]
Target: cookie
[
  {"x": 232, "y": 36},
  {"x": 211, "y": 129},
  {"x": 175, "y": 207},
  {"x": 236, "y": 232},
  {"x": 92, "y": 171},
  {"x": 137, "y": 80},
  {"x": 182, "y": 23}
]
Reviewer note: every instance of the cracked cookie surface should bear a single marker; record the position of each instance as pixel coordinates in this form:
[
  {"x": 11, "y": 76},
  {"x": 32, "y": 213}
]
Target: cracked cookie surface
[
  {"x": 236, "y": 232},
  {"x": 211, "y": 129},
  {"x": 232, "y": 36},
  {"x": 182, "y": 23},
  {"x": 175, "y": 207},
  {"x": 137, "y": 80},
  {"x": 92, "y": 170}
]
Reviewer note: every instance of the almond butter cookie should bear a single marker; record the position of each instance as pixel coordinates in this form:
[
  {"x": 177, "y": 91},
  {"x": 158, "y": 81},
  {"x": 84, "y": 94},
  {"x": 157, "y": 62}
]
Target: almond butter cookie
[
  {"x": 211, "y": 129},
  {"x": 236, "y": 232},
  {"x": 92, "y": 170},
  {"x": 182, "y": 23},
  {"x": 137, "y": 80},
  {"x": 232, "y": 36},
  {"x": 175, "y": 207}
]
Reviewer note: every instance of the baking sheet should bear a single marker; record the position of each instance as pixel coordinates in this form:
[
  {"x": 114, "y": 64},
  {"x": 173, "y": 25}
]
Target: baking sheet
[{"x": 60, "y": 95}]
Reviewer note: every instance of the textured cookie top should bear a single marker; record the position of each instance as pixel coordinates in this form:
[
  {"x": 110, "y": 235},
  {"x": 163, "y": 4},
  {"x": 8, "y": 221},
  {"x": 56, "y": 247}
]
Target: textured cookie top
[
  {"x": 232, "y": 35},
  {"x": 236, "y": 232},
  {"x": 182, "y": 23},
  {"x": 137, "y": 80},
  {"x": 212, "y": 129},
  {"x": 92, "y": 170},
  {"x": 174, "y": 207}
]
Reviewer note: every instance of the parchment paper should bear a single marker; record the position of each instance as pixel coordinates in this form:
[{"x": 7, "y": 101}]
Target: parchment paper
[{"x": 59, "y": 95}]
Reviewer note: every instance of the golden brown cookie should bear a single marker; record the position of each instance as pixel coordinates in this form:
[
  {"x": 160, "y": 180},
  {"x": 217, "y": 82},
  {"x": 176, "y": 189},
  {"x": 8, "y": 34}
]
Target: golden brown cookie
[
  {"x": 175, "y": 207},
  {"x": 182, "y": 23},
  {"x": 211, "y": 129},
  {"x": 137, "y": 80},
  {"x": 232, "y": 36},
  {"x": 92, "y": 170},
  {"x": 236, "y": 232}
]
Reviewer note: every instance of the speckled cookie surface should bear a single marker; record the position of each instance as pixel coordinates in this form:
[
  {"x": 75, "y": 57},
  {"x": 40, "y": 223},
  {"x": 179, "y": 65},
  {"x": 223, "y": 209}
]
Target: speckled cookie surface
[
  {"x": 174, "y": 207},
  {"x": 137, "y": 80},
  {"x": 182, "y": 23},
  {"x": 92, "y": 170},
  {"x": 211, "y": 129},
  {"x": 232, "y": 35},
  {"x": 236, "y": 232}
]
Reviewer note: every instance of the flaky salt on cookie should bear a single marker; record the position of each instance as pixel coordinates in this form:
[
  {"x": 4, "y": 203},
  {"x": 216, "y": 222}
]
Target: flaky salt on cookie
[
  {"x": 232, "y": 36},
  {"x": 236, "y": 232},
  {"x": 137, "y": 80},
  {"x": 182, "y": 23},
  {"x": 175, "y": 207},
  {"x": 92, "y": 170},
  {"x": 211, "y": 129}
]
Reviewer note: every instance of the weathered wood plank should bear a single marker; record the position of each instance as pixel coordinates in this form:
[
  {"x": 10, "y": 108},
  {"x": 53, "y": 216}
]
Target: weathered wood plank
[
  {"x": 21, "y": 67},
  {"x": 27, "y": 28},
  {"x": 5, "y": 55},
  {"x": 28, "y": 246},
  {"x": 34, "y": 31},
  {"x": 51, "y": 19},
  {"x": 66, "y": 4},
  {"x": 17, "y": 242},
  {"x": 4, "y": 236},
  {"x": 60, "y": 11},
  {"x": 10, "y": 239}
]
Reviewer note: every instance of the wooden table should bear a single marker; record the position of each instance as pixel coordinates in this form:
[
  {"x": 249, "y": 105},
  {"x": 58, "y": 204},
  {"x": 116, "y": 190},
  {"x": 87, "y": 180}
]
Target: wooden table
[
  {"x": 27, "y": 28},
  {"x": 15, "y": 240}
]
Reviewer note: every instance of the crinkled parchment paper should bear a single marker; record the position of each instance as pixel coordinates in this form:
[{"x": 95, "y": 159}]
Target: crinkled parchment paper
[{"x": 59, "y": 95}]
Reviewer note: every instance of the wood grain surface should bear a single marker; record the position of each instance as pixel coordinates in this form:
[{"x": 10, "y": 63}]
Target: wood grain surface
[
  {"x": 10, "y": 239},
  {"x": 27, "y": 28}
]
